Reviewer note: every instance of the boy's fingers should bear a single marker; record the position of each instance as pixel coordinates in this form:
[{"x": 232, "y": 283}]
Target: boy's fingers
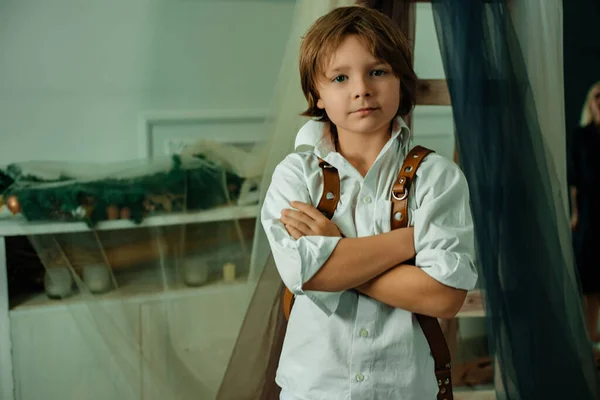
[
  {"x": 299, "y": 216},
  {"x": 295, "y": 233},
  {"x": 308, "y": 209},
  {"x": 296, "y": 224}
]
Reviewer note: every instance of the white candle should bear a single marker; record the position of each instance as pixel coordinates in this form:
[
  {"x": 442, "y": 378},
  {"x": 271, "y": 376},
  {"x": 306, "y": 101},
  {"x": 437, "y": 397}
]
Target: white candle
[{"x": 229, "y": 272}]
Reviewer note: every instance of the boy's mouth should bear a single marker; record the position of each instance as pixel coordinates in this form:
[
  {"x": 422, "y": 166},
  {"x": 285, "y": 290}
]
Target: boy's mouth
[{"x": 365, "y": 110}]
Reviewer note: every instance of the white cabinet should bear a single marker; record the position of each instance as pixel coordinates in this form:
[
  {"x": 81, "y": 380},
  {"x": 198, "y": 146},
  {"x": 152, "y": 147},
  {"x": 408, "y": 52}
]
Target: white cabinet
[
  {"x": 177, "y": 348},
  {"x": 62, "y": 353},
  {"x": 187, "y": 343},
  {"x": 141, "y": 341}
]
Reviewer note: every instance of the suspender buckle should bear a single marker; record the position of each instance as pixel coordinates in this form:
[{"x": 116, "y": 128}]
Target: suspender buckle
[{"x": 401, "y": 196}]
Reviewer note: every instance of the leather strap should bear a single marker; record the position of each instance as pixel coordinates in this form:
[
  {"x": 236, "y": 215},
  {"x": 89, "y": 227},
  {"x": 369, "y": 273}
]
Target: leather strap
[
  {"x": 288, "y": 303},
  {"x": 331, "y": 189},
  {"x": 401, "y": 188},
  {"x": 440, "y": 353},
  {"x": 327, "y": 205},
  {"x": 430, "y": 326}
]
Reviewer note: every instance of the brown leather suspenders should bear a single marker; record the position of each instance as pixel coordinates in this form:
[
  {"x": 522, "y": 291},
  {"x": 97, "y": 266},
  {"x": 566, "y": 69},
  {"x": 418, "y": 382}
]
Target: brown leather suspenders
[
  {"x": 399, "y": 219},
  {"x": 430, "y": 326},
  {"x": 331, "y": 189},
  {"x": 327, "y": 205}
]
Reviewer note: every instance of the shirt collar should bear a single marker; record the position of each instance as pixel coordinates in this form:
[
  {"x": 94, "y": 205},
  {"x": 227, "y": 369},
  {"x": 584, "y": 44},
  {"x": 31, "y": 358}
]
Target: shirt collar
[{"x": 312, "y": 137}]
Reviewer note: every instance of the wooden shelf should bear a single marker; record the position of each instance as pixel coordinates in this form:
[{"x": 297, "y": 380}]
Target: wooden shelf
[
  {"x": 17, "y": 225},
  {"x": 138, "y": 287},
  {"x": 471, "y": 314},
  {"x": 473, "y": 306}
]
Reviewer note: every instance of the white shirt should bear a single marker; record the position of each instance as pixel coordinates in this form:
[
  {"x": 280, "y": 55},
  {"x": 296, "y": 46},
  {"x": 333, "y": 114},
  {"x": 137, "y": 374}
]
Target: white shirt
[{"x": 344, "y": 345}]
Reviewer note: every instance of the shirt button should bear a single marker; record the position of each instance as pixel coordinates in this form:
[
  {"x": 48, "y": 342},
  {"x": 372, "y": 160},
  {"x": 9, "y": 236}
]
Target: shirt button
[
  {"x": 364, "y": 333},
  {"x": 366, "y": 199},
  {"x": 360, "y": 377}
]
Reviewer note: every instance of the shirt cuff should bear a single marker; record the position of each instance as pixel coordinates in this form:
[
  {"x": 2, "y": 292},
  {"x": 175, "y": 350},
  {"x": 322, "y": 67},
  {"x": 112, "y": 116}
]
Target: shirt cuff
[
  {"x": 314, "y": 252},
  {"x": 452, "y": 269}
]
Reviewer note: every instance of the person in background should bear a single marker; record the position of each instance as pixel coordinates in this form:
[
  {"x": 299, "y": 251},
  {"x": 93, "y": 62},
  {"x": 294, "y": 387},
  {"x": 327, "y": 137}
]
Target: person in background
[{"x": 584, "y": 185}]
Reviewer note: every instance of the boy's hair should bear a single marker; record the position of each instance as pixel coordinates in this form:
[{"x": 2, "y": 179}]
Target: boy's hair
[{"x": 382, "y": 37}]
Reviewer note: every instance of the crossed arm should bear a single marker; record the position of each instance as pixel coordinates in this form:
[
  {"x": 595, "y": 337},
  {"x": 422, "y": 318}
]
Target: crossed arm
[{"x": 374, "y": 266}]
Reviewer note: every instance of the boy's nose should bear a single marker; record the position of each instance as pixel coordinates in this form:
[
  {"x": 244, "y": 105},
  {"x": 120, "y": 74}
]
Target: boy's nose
[
  {"x": 362, "y": 89},
  {"x": 365, "y": 94}
]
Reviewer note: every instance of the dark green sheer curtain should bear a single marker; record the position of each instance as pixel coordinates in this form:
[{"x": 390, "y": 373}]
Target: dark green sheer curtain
[{"x": 535, "y": 324}]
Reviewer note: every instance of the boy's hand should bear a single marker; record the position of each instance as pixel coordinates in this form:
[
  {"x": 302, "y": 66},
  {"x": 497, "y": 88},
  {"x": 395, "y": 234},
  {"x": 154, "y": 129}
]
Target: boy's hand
[{"x": 306, "y": 220}]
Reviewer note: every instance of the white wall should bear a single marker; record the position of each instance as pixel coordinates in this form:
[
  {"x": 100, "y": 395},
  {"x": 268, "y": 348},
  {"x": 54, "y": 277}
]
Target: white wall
[
  {"x": 75, "y": 74},
  {"x": 433, "y": 126}
]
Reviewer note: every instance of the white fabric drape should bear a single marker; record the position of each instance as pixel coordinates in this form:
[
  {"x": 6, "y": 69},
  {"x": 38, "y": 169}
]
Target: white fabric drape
[
  {"x": 539, "y": 28},
  {"x": 288, "y": 102}
]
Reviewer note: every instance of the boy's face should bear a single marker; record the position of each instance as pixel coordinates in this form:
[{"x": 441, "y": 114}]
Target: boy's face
[{"x": 360, "y": 93}]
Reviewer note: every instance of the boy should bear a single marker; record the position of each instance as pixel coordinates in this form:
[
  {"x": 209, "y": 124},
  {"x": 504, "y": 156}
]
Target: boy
[{"x": 352, "y": 333}]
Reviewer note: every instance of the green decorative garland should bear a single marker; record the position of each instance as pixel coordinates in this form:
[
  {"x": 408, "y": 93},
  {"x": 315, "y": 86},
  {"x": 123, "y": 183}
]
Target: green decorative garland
[{"x": 180, "y": 189}]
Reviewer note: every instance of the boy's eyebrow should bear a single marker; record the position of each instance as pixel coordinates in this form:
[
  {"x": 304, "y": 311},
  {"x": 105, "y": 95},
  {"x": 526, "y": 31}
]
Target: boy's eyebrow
[
  {"x": 337, "y": 69},
  {"x": 342, "y": 68}
]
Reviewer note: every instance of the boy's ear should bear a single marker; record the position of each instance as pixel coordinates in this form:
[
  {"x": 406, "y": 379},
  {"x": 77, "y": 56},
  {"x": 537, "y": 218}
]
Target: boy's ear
[{"x": 320, "y": 104}]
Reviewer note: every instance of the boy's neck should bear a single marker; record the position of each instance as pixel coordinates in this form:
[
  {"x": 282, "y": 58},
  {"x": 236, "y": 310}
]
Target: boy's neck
[{"x": 361, "y": 149}]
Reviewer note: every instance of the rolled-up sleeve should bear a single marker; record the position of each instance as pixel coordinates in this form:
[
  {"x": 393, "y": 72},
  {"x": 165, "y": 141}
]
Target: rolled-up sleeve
[
  {"x": 297, "y": 260},
  {"x": 443, "y": 225}
]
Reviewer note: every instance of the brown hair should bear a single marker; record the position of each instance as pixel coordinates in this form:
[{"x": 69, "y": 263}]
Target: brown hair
[{"x": 385, "y": 41}]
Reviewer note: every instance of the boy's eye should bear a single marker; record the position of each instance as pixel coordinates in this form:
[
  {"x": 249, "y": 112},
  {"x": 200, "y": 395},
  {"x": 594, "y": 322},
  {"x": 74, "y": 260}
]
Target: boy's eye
[
  {"x": 377, "y": 72},
  {"x": 339, "y": 78}
]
